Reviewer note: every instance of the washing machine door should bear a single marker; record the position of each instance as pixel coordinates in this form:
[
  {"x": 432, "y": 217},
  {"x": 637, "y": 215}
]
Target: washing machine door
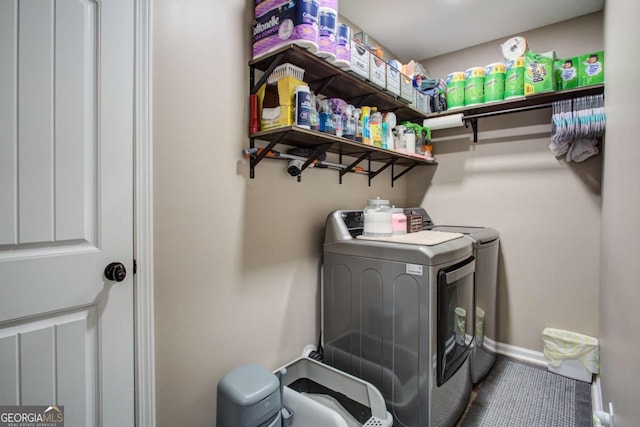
[{"x": 455, "y": 317}]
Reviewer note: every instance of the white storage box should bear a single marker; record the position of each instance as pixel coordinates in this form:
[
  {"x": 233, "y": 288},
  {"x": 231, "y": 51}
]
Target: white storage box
[
  {"x": 422, "y": 102},
  {"x": 393, "y": 79},
  {"x": 377, "y": 71},
  {"x": 359, "y": 59},
  {"x": 407, "y": 91},
  {"x": 570, "y": 354}
]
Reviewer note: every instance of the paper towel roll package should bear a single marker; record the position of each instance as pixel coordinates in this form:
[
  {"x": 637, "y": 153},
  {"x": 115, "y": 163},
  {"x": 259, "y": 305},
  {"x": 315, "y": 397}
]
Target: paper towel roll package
[{"x": 444, "y": 122}]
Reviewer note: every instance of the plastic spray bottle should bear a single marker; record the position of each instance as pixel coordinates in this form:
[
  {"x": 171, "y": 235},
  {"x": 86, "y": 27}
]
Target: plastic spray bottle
[
  {"x": 366, "y": 130},
  {"x": 349, "y": 131},
  {"x": 375, "y": 127},
  {"x": 428, "y": 147},
  {"x": 410, "y": 137},
  {"x": 356, "y": 116}
]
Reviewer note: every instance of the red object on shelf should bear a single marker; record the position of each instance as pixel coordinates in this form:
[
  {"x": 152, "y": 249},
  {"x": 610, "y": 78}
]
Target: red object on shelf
[{"x": 254, "y": 122}]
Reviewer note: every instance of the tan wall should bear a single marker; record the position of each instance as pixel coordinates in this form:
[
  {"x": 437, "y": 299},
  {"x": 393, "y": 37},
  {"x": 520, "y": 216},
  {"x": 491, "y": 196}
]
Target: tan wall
[
  {"x": 546, "y": 210},
  {"x": 236, "y": 260},
  {"x": 619, "y": 290}
]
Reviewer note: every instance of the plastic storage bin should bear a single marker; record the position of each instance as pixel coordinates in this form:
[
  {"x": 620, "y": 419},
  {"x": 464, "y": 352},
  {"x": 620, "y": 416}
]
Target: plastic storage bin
[{"x": 571, "y": 354}]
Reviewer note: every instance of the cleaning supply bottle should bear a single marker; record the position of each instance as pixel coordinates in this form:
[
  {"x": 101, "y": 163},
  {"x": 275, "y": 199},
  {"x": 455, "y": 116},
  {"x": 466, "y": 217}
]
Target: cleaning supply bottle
[
  {"x": 399, "y": 140},
  {"x": 313, "y": 114},
  {"x": 388, "y": 124},
  {"x": 375, "y": 127},
  {"x": 349, "y": 123},
  {"x": 356, "y": 116},
  {"x": 366, "y": 130},
  {"x": 419, "y": 139},
  {"x": 428, "y": 147},
  {"x": 385, "y": 133},
  {"x": 326, "y": 116},
  {"x": 409, "y": 138},
  {"x": 303, "y": 107}
]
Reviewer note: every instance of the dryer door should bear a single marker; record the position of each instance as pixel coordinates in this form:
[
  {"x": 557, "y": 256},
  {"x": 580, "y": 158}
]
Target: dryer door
[{"x": 455, "y": 317}]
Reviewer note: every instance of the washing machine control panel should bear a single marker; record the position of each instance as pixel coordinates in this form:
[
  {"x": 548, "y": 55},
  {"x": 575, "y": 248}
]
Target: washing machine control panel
[{"x": 354, "y": 220}]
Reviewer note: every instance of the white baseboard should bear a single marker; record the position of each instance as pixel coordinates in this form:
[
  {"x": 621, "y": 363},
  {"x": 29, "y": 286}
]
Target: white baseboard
[
  {"x": 519, "y": 353},
  {"x": 596, "y": 395}
]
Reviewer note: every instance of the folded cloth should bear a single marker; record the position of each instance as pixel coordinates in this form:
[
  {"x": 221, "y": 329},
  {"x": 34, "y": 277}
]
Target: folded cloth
[{"x": 582, "y": 149}]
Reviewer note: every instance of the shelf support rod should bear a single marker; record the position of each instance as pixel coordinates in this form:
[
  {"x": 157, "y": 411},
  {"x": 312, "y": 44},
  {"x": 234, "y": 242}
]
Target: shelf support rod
[
  {"x": 507, "y": 111},
  {"x": 321, "y": 150},
  {"x": 395, "y": 177},
  {"x": 340, "y": 161},
  {"x": 276, "y": 61}
]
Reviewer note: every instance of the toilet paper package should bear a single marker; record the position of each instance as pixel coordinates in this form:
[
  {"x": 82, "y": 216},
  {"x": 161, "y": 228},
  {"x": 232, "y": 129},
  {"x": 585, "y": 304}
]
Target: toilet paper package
[{"x": 279, "y": 22}]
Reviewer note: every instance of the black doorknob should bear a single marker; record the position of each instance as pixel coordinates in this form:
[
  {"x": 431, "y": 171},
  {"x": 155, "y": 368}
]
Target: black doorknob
[{"x": 115, "y": 271}]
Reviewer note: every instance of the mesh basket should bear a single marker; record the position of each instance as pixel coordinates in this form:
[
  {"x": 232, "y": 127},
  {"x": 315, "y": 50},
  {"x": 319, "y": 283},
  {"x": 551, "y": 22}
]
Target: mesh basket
[{"x": 286, "y": 70}]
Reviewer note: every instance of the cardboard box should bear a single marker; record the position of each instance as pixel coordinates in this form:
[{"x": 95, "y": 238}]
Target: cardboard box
[
  {"x": 276, "y": 103},
  {"x": 359, "y": 59},
  {"x": 591, "y": 68},
  {"x": 567, "y": 73},
  {"x": 377, "y": 71}
]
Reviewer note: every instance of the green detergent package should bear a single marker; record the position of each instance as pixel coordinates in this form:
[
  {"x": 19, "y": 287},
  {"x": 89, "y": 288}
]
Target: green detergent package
[
  {"x": 568, "y": 73},
  {"x": 591, "y": 68},
  {"x": 557, "y": 71},
  {"x": 538, "y": 76}
]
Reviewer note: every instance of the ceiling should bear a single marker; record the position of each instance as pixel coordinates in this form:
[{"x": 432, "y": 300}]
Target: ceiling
[{"x": 422, "y": 29}]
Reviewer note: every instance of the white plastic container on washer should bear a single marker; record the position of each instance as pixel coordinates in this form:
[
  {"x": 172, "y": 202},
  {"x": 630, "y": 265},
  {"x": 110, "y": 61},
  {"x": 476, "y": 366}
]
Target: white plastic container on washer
[{"x": 377, "y": 218}]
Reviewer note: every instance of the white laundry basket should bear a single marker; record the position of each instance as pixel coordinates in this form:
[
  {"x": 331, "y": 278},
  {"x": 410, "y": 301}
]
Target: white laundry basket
[{"x": 571, "y": 354}]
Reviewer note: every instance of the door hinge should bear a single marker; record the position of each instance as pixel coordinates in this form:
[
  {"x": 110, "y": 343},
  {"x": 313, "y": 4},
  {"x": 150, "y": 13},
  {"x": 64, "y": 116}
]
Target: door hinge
[{"x": 135, "y": 266}]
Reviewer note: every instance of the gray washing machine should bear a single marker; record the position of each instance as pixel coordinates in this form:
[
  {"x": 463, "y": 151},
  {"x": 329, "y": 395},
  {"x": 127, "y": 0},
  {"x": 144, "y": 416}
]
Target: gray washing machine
[
  {"x": 485, "y": 250},
  {"x": 399, "y": 316}
]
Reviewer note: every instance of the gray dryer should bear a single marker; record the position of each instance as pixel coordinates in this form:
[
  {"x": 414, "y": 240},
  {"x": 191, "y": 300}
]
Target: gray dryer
[{"x": 485, "y": 250}]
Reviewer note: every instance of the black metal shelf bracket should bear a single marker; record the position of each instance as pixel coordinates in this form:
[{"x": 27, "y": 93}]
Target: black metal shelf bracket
[
  {"x": 253, "y": 162},
  {"x": 474, "y": 126},
  {"x": 319, "y": 85},
  {"x": 276, "y": 61},
  {"x": 401, "y": 174},
  {"x": 376, "y": 173},
  {"x": 320, "y": 151},
  {"x": 355, "y": 163},
  {"x": 360, "y": 100}
]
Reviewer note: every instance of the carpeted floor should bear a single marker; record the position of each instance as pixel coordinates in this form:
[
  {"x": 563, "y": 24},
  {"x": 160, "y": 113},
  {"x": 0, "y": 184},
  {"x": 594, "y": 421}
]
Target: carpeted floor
[{"x": 517, "y": 394}]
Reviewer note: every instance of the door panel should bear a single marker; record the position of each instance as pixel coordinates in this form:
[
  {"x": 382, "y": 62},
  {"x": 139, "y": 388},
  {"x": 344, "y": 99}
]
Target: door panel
[
  {"x": 66, "y": 207},
  {"x": 52, "y": 359},
  {"x": 50, "y": 190}
]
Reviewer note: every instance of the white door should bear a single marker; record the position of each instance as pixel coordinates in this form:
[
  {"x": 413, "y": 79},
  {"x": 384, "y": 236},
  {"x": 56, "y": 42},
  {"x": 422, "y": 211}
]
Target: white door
[{"x": 66, "y": 208}]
